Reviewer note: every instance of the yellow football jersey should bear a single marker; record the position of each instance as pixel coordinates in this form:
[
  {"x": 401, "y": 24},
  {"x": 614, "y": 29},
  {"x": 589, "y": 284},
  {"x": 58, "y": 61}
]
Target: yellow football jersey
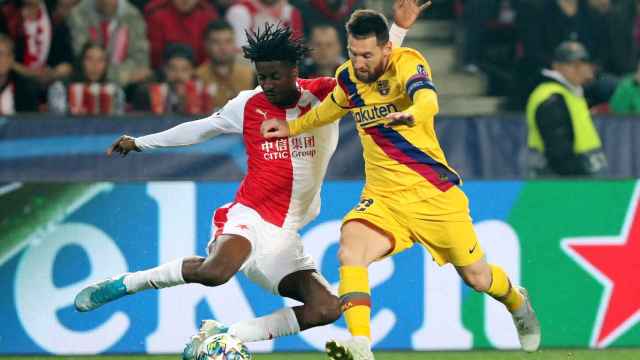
[{"x": 397, "y": 158}]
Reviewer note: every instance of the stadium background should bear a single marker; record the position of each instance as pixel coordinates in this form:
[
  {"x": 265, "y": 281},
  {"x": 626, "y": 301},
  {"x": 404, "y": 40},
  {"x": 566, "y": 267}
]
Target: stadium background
[{"x": 70, "y": 216}]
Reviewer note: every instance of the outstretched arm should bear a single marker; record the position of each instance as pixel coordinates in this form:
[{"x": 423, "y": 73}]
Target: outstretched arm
[
  {"x": 227, "y": 120},
  {"x": 323, "y": 114},
  {"x": 414, "y": 73},
  {"x": 189, "y": 133}
]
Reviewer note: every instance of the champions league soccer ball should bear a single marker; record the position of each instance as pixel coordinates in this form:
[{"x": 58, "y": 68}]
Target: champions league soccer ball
[{"x": 223, "y": 347}]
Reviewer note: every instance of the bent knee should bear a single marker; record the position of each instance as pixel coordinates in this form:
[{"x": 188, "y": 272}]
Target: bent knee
[
  {"x": 348, "y": 255},
  {"x": 326, "y": 311}
]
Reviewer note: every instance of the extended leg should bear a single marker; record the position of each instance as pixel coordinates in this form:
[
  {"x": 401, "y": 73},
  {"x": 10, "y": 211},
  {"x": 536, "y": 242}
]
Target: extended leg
[
  {"x": 226, "y": 257},
  {"x": 493, "y": 281}
]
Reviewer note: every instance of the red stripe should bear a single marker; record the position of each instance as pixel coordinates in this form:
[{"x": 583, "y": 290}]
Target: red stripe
[
  {"x": 220, "y": 218},
  {"x": 346, "y": 92},
  {"x": 355, "y": 302},
  {"x": 396, "y": 154}
]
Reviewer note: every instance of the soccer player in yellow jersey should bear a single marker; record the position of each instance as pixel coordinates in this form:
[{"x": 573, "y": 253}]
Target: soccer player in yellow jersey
[{"x": 411, "y": 194}]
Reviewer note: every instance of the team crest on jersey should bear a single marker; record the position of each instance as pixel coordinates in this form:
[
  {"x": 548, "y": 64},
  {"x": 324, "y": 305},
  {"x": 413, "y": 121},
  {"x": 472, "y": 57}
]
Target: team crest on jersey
[
  {"x": 383, "y": 87},
  {"x": 421, "y": 69}
]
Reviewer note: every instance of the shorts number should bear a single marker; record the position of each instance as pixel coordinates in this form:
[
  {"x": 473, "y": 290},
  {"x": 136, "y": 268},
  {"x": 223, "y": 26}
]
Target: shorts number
[{"x": 364, "y": 204}]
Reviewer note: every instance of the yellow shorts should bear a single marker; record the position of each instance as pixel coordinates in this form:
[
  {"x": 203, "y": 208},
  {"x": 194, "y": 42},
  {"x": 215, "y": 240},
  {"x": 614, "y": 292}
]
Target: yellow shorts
[{"x": 441, "y": 223}]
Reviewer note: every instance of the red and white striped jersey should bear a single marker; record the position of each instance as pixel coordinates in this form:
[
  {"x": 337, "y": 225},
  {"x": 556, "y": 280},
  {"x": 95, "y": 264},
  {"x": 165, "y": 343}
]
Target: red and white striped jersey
[{"x": 284, "y": 175}]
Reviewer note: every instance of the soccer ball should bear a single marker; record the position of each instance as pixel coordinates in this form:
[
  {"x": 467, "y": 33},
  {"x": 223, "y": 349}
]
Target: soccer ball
[{"x": 223, "y": 347}]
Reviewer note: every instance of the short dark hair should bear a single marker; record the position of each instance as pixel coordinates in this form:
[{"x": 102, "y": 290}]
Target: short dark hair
[
  {"x": 366, "y": 23},
  {"x": 178, "y": 50},
  {"x": 217, "y": 25},
  {"x": 274, "y": 42}
]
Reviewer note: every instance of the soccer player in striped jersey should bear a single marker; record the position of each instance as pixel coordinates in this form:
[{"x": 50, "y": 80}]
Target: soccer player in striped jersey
[
  {"x": 257, "y": 233},
  {"x": 412, "y": 195}
]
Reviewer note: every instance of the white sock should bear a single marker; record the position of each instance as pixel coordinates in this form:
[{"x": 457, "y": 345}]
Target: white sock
[
  {"x": 163, "y": 276},
  {"x": 281, "y": 323},
  {"x": 363, "y": 339}
]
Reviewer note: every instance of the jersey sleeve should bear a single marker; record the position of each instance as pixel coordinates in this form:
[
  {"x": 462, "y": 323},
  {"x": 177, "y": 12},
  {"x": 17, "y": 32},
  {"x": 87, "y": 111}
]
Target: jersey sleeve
[
  {"x": 414, "y": 73},
  {"x": 397, "y": 35},
  {"x": 324, "y": 113},
  {"x": 226, "y": 121}
]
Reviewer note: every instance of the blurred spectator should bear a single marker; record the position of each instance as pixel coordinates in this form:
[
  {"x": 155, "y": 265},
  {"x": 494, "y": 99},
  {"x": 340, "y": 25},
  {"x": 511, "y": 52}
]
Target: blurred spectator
[
  {"x": 475, "y": 18},
  {"x": 543, "y": 25},
  {"x": 562, "y": 137},
  {"x": 624, "y": 37},
  {"x": 180, "y": 93},
  {"x": 326, "y": 53},
  {"x": 321, "y": 12},
  {"x": 177, "y": 22},
  {"x": 222, "y": 74},
  {"x": 42, "y": 42},
  {"x": 249, "y": 14},
  {"x": 3, "y": 24},
  {"x": 88, "y": 92},
  {"x": 63, "y": 9},
  {"x": 17, "y": 94},
  {"x": 222, "y": 6},
  {"x": 626, "y": 99},
  {"x": 118, "y": 27}
]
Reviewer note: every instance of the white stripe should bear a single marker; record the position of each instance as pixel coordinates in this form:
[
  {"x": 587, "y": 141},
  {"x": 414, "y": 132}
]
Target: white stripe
[{"x": 9, "y": 188}]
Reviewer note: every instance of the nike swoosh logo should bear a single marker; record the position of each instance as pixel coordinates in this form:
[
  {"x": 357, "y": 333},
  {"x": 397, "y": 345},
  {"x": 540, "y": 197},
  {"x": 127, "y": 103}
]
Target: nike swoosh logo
[{"x": 473, "y": 248}]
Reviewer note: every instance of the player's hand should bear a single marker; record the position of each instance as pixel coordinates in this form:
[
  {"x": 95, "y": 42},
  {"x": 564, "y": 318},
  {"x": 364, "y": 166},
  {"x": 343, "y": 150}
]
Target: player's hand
[
  {"x": 400, "y": 118},
  {"x": 274, "y": 128},
  {"x": 406, "y": 12},
  {"x": 123, "y": 145}
]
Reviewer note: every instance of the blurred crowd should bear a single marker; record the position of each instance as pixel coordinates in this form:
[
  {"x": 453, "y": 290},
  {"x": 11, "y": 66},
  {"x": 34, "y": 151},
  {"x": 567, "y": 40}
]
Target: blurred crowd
[
  {"x": 84, "y": 57},
  {"x": 512, "y": 41},
  {"x": 88, "y": 57}
]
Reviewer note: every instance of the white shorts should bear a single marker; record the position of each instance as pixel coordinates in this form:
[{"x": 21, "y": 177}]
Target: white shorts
[{"x": 275, "y": 252}]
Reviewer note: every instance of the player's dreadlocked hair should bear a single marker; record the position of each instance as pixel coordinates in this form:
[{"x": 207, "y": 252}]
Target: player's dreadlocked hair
[{"x": 274, "y": 42}]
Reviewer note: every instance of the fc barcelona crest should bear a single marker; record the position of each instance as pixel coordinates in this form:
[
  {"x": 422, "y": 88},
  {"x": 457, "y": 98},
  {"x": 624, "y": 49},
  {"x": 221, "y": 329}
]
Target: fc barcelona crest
[{"x": 383, "y": 87}]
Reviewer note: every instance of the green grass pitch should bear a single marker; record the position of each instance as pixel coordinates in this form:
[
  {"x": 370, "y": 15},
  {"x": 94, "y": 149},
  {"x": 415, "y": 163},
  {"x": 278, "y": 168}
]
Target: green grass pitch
[{"x": 550, "y": 354}]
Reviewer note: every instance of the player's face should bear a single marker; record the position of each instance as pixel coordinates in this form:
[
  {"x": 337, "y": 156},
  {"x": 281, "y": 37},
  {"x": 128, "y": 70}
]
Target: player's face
[
  {"x": 278, "y": 81},
  {"x": 326, "y": 46},
  {"x": 94, "y": 63},
  {"x": 178, "y": 71},
  {"x": 368, "y": 57},
  {"x": 221, "y": 46}
]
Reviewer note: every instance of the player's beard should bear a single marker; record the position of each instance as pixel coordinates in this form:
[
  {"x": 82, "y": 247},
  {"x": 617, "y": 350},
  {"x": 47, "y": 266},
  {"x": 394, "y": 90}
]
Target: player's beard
[{"x": 372, "y": 76}]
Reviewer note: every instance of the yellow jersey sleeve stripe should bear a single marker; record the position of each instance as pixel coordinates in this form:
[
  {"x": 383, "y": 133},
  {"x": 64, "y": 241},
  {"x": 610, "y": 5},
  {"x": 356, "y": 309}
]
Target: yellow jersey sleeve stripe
[
  {"x": 401, "y": 150},
  {"x": 350, "y": 88},
  {"x": 417, "y": 82}
]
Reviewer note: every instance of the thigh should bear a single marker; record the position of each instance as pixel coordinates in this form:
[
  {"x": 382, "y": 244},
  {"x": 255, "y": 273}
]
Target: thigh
[
  {"x": 452, "y": 242},
  {"x": 373, "y": 230},
  {"x": 229, "y": 252},
  {"x": 278, "y": 254},
  {"x": 443, "y": 225},
  {"x": 234, "y": 234}
]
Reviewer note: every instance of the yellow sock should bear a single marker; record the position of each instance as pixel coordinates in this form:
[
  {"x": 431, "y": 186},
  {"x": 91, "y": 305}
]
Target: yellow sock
[
  {"x": 355, "y": 299},
  {"x": 502, "y": 290}
]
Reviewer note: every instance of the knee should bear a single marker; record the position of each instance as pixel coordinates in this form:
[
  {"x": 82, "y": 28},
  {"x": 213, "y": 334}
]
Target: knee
[
  {"x": 325, "y": 311},
  {"x": 351, "y": 253},
  {"x": 479, "y": 282},
  {"x": 347, "y": 255}
]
